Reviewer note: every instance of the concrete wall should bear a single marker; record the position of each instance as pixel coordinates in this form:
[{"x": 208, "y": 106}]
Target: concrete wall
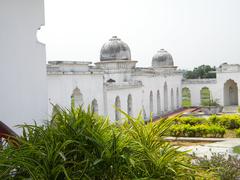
[
  {"x": 155, "y": 83},
  {"x": 123, "y": 95},
  {"x": 60, "y": 89},
  {"x": 222, "y": 79},
  {"x": 23, "y": 90},
  {"x": 195, "y": 87}
]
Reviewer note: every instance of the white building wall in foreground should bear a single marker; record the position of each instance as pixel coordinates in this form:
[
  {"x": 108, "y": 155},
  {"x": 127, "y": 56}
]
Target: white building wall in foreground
[{"x": 23, "y": 90}]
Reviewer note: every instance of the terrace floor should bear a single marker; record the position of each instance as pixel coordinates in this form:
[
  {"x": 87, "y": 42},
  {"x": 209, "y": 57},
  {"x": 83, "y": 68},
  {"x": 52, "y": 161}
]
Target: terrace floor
[{"x": 212, "y": 145}]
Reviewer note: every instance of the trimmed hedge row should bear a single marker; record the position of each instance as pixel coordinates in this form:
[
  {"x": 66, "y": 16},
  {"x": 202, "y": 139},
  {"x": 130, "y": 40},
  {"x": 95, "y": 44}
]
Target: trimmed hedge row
[{"x": 199, "y": 130}]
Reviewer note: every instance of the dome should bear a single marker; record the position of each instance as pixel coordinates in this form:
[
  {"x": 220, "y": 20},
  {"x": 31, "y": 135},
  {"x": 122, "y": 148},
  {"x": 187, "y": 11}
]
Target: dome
[
  {"x": 115, "y": 49},
  {"x": 162, "y": 59}
]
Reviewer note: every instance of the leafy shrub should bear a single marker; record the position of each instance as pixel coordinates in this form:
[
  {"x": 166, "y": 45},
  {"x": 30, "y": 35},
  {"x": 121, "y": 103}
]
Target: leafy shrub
[
  {"x": 238, "y": 133},
  {"x": 199, "y": 130},
  {"x": 214, "y": 119},
  {"x": 228, "y": 121},
  {"x": 81, "y": 145},
  {"x": 225, "y": 168},
  {"x": 190, "y": 120}
]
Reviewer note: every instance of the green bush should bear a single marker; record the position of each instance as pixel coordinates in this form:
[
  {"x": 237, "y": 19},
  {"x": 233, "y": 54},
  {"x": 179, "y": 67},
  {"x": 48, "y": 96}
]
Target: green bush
[
  {"x": 190, "y": 120},
  {"x": 238, "y": 133},
  {"x": 228, "y": 121},
  {"x": 199, "y": 130},
  {"x": 81, "y": 145}
]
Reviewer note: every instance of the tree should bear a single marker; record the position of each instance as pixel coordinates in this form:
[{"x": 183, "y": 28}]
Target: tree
[{"x": 201, "y": 72}]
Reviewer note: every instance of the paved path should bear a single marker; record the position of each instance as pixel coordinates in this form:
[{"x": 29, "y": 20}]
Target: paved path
[{"x": 224, "y": 146}]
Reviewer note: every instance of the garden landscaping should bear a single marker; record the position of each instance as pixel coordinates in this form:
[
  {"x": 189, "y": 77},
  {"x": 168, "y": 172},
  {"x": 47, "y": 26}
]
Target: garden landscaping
[
  {"x": 79, "y": 144},
  {"x": 213, "y": 126}
]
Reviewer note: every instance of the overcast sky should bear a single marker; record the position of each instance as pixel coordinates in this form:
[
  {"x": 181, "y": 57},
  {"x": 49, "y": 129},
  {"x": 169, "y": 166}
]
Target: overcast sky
[{"x": 195, "y": 32}]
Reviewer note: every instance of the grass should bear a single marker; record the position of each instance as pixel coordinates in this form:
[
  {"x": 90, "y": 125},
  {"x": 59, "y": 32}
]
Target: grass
[{"x": 236, "y": 149}]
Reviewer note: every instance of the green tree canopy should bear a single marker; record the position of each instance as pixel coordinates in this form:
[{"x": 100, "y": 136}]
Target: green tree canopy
[{"x": 201, "y": 72}]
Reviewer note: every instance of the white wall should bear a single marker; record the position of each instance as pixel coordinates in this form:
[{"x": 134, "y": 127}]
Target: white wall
[
  {"x": 155, "y": 83},
  {"x": 60, "y": 89},
  {"x": 195, "y": 89},
  {"x": 123, "y": 94},
  {"x": 222, "y": 79},
  {"x": 23, "y": 91}
]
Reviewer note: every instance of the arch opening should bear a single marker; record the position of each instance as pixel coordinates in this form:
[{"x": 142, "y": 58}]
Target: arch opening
[
  {"x": 151, "y": 102},
  {"x": 165, "y": 97},
  {"x": 172, "y": 99},
  {"x": 158, "y": 103},
  {"x": 186, "y": 97},
  {"x": 94, "y": 106},
  {"x": 205, "y": 96},
  {"x": 129, "y": 105},
  {"x": 118, "y": 106},
  {"x": 177, "y": 98},
  {"x": 230, "y": 93},
  {"x": 76, "y": 98}
]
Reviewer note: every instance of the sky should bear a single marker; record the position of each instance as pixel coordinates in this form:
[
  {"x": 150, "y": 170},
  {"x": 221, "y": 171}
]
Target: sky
[{"x": 195, "y": 32}]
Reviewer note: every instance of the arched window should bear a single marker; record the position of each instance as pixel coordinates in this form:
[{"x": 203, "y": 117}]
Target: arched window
[
  {"x": 94, "y": 106},
  {"x": 177, "y": 98},
  {"x": 186, "y": 97},
  {"x": 151, "y": 102},
  {"x": 129, "y": 105},
  {"x": 118, "y": 106},
  {"x": 165, "y": 97},
  {"x": 76, "y": 98},
  {"x": 158, "y": 103},
  {"x": 172, "y": 99},
  {"x": 205, "y": 96}
]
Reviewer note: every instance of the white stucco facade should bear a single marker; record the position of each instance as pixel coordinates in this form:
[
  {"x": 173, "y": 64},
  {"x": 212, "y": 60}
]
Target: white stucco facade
[
  {"x": 107, "y": 81},
  {"x": 224, "y": 89},
  {"x": 23, "y": 79}
]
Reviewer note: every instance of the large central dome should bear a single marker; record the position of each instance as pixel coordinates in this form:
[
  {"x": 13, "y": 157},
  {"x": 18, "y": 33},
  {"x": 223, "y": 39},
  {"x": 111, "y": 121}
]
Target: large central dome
[{"x": 115, "y": 49}]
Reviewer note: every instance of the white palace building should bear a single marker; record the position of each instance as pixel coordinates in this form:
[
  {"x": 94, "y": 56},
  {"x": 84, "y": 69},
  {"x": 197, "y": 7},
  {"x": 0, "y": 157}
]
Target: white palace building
[{"x": 30, "y": 88}]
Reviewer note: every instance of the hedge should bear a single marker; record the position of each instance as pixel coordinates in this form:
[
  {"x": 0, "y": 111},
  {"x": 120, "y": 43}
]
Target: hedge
[
  {"x": 238, "y": 133},
  {"x": 190, "y": 120},
  {"x": 228, "y": 121},
  {"x": 199, "y": 130}
]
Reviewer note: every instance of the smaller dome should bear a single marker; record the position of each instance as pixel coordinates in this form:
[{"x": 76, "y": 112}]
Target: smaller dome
[
  {"x": 162, "y": 59},
  {"x": 115, "y": 49}
]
